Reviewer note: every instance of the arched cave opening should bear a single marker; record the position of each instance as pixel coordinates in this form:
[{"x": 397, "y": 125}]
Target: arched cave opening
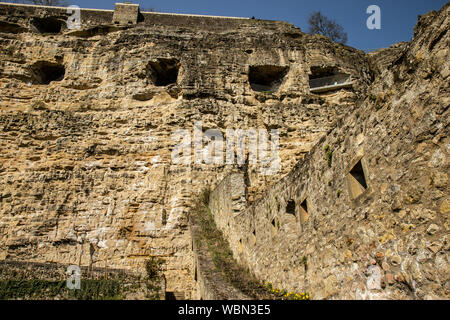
[
  {"x": 266, "y": 77},
  {"x": 44, "y": 72},
  {"x": 8, "y": 27},
  {"x": 46, "y": 25},
  {"x": 163, "y": 71},
  {"x": 326, "y": 76}
]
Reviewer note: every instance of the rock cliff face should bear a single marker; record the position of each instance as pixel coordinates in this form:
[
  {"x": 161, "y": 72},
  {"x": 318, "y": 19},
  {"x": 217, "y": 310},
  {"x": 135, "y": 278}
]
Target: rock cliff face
[
  {"x": 365, "y": 215},
  {"x": 87, "y": 118}
]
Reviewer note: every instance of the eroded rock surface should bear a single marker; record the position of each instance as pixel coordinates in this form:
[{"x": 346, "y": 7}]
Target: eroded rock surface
[{"x": 87, "y": 117}]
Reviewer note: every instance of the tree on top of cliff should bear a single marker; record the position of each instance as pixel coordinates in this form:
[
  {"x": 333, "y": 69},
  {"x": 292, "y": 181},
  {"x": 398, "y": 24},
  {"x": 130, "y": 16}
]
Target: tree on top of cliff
[{"x": 320, "y": 24}]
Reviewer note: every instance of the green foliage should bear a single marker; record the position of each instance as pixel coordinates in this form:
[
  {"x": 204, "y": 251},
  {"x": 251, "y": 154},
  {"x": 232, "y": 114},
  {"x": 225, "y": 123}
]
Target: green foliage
[
  {"x": 153, "y": 289},
  {"x": 338, "y": 193},
  {"x": 328, "y": 155},
  {"x": 153, "y": 267},
  {"x": 278, "y": 204},
  {"x": 45, "y": 289},
  {"x": 305, "y": 262},
  {"x": 212, "y": 239},
  {"x": 205, "y": 195},
  {"x": 286, "y": 295},
  {"x": 239, "y": 277},
  {"x": 98, "y": 290}
]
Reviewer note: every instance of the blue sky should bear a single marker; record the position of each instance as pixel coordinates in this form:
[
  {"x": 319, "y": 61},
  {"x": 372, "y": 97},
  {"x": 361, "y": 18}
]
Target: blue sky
[{"x": 398, "y": 17}]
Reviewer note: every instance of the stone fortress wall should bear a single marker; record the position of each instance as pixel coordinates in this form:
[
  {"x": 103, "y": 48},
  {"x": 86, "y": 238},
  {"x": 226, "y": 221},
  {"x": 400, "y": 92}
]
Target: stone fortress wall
[
  {"x": 365, "y": 215},
  {"x": 124, "y": 14},
  {"x": 86, "y": 118}
]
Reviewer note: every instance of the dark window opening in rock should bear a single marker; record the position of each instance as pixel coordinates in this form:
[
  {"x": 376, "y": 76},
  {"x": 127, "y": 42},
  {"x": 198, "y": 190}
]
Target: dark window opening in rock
[
  {"x": 290, "y": 208},
  {"x": 322, "y": 72},
  {"x": 174, "y": 295},
  {"x": 163, "y": 72},
  {"x": 266, "y": 78},
  {"x": 357, "y": 180},
  {"x": 274, "y": 227},
  {"x": 47, "y": 25},
  {"x": 44, "y": 72},
  {"x": 304, "y": 211},
  {"x": 358, "y": 173},
  {"x": 164, "y": 217},
  {"x": 327, "y": 78},
  {"x": 304, "y": 206}
]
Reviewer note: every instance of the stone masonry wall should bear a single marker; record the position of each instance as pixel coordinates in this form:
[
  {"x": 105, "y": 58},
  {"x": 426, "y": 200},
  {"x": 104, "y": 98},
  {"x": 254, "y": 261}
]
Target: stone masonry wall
[{"x": 325, "y": 230}]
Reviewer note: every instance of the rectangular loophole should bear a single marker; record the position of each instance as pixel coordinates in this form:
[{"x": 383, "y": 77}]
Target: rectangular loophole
[
  {"x": 290, "y": 207},
  {"x": 357, "y": 180},
  {"x": 274, "y": 226},
  {"x": 304, "y": 211}
]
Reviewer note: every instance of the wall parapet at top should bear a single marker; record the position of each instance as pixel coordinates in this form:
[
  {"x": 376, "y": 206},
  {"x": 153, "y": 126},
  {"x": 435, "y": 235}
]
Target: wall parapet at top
[{"x": 91, "y": 17}]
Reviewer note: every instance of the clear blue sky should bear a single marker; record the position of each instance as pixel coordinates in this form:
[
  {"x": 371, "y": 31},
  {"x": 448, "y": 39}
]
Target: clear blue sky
[{"x": 398, "y": 17}]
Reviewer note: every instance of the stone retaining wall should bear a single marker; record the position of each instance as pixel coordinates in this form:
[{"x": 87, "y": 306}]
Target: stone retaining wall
[{"x": 365, "y": 215}]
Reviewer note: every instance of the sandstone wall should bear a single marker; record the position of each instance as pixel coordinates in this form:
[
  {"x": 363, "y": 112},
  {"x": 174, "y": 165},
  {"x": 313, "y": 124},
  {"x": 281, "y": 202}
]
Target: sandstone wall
[
  {"x": 384, "y": 237},
  {"x": 85, "y": 157},
  {"x": 228, "y": 200}
]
